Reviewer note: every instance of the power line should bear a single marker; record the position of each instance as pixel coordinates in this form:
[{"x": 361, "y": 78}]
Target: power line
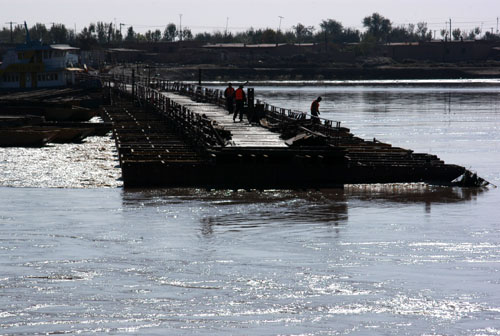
[{"x": 433, "y": 24}]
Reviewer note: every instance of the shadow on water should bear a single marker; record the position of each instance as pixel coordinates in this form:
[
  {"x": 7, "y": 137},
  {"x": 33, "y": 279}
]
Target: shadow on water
[
  {"x": 250, "y": 209},
  {"x": 247, "y": 205},
  {"x": 412, "y": 193},
  {"x": 397, "y": 192}
]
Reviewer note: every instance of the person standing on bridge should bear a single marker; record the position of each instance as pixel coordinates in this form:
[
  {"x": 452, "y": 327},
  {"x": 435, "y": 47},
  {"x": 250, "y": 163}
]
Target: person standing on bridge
[
  {"x": 229, "y": 95},
  {"x": 239, "y": 98},
  {"x": 315, "y": 110}
]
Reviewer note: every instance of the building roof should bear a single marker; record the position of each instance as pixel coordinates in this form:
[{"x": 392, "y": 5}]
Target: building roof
[
  {"x": 74, "y": 69},
  {"x": 123, "y": 50},
  {"x": 262, "y": 45},
  {"x": 38, "y": 46},
  {"x": 62, "y": 47}
]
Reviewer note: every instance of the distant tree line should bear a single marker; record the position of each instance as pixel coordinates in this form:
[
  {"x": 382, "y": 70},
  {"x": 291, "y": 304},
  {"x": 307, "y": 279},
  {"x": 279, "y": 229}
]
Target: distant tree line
[{"x": 378, "y": 29}]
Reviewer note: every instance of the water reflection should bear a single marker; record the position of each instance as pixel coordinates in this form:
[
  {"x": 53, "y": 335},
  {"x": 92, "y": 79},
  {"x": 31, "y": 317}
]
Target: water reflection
[
  {"x": 323, "y": 198},
  {"x": 412, "y": 193},
  {"x": 245, "y": 210},
  {"x": 248, "y": 208}
]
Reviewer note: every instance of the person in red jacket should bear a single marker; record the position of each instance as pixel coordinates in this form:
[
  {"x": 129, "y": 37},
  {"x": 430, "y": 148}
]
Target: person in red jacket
[
  {"x": 229, "y": 95},
  {"x": 315, "y": 110},
  {"x": 239, "y": 98}
]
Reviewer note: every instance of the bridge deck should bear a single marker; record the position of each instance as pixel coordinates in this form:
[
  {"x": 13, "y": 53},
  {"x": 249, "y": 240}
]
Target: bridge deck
[{"x": 243, "y": 133}]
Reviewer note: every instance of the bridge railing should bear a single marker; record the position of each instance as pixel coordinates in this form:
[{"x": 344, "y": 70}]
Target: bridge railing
[
  {"x": 216, "y": 96},
  {"x": 318, "y": 124},
  {"x": 197, "y": 129}
]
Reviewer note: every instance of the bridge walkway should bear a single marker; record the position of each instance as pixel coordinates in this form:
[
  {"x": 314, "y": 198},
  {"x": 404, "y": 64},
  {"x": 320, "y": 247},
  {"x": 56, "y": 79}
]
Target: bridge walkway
[{"x": 243, "y": 133}]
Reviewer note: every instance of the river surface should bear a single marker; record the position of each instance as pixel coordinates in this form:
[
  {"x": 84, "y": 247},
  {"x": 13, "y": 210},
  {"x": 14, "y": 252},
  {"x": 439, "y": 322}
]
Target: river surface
[{"x": 80, "y": 255}]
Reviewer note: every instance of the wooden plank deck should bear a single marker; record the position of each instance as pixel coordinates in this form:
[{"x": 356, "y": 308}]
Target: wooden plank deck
[{"x": 243, "y": 133}]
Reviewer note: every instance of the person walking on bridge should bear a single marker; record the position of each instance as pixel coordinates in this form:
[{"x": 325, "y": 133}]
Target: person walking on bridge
[
  {"x": 239, "y": 98},
  {"x": 315, "y": 110},
  {"x": 229, "y": 95}
]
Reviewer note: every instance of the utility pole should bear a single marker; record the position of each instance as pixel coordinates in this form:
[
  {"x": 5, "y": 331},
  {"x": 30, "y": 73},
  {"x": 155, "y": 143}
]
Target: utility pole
[
  {"x": 121, "y": 24},
  {"x": 279, "y": 27},
  {"x": 180, "y": 27},
  {"x": 497, "y": 25},
  {"x": 227, "y": 21},
  {"x": 12, "y": 39},
  {"x": 450, "y": 31}
]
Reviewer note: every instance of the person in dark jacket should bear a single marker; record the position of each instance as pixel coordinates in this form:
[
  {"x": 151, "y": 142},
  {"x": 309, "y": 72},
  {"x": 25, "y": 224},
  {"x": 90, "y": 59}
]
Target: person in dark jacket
[
  {"x": 229, "y": 95},
  {"x": 315, "y": 110},
  {"x": 239, "y": 98}
]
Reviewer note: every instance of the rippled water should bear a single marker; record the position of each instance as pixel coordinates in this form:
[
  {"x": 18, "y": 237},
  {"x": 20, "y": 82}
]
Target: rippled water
[
  {"x": 367, "y": 260},
  {"x": 90, "y": 164}
]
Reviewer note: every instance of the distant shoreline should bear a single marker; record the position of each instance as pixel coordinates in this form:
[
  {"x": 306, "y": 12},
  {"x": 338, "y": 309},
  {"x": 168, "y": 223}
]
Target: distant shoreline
[
  {"x": 385, "y": 82},
  {"x": 381, "y": 75}
]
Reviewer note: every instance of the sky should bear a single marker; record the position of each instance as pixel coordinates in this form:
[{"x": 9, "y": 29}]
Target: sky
[{"x": 213, "y": 15}]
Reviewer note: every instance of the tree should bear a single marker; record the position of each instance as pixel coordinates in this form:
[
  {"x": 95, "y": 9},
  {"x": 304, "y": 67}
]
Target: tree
[
  {"x": 148, "y": 36},
  {"x": 401, "y": 34},
  {"x": 130, "y": 34},
  {"x": 71, "y": 36},
  {"x": 377, "y": 26},
  {"x": 140, "y": 38},
  {"x": 333, "y": 29},
  {"x": 422, "y": 32},
  {"x": 58, "y": 34},
  {"x": 252, "y": 35},
  {"x": 188, "y": 35},
  {"x": 102, "y": 30},
  {"x": 491, "y": 37},
  {"x": 473, "y": 33},
  {"x": 203, "y": 37},
  {"x": 86, "y": 39},
  {"x": 39, "y": 33},
  {"x": 111, "y": 33},
  {"x": 157, "y": 35},
  {"x": 280, "y": 37},
  {"x": 457, "y": 34},
  {"x": 118, "y": 36},
  {"x": 268, "y": 36},
  {"x": 303, "y": 33},
  {"x": 170, "y": 33},
  {"x": 350, "y": 35},
  {"x": 444, "y": 33}
]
